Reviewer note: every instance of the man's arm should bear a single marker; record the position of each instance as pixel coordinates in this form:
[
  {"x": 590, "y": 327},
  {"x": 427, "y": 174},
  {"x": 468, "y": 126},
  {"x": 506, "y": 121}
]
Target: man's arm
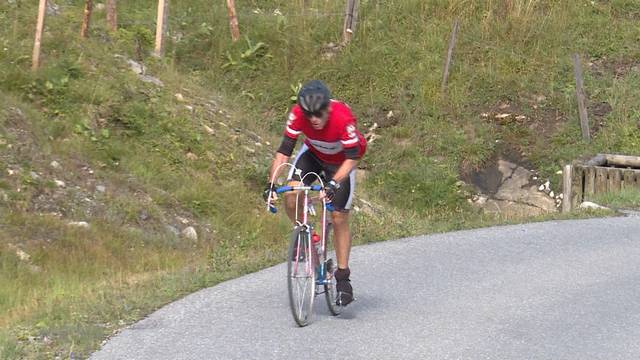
[
  {"x": 344, "y": 170},
  {"x": 278, "y": 160}
]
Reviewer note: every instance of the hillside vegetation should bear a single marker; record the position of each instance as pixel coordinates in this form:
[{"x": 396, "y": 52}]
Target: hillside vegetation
[{"x": 103, "y": 174}]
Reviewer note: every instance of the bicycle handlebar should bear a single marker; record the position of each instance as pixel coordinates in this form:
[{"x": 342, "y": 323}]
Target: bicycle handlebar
[{"x": 287, "y": 188}]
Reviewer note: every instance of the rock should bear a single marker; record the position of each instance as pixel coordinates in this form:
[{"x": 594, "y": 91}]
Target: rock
[
  {"x": 34, "y": 175},
  {"x": 189, "y": 107},
  {"x": 592, "y": 206},
  {"x": 482, "y": 200},
  {"x": 80, "y": 224},
  {"x": 182, "y": 220},
  {"x": 152, "y": 80},
  {"x": 249, "y": 150},
  {"x": 509, "y": 209},
  {"x": 52, "y": 8},
  {"x": 136, "y": 67},
  {"x": 60, "y": 183},
  {"x": 208, "y": 130},
  {"x": 547, "y": 185},
  {"x": 101, "y": 188},
  {"x": 190, "y": 233},
  {"x": 191, "y": 156},
  {"x": 173, "y": 230},
  {"x": 390, "y": 114},
  {"x": 55, "y": 165},
  {"x": 179, "y": 97},
  {"x": 143, "y": 215},
  {"x": 23, "y": 256},
  {"x": 11, "y": 172},
  {"x": 99, "y": 7},
  {"x": 559, "y": 172},
  {"x": 551, "y": 194}
]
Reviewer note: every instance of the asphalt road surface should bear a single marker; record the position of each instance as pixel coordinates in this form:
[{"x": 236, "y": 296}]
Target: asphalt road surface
[{"x": 554, "y": 290}]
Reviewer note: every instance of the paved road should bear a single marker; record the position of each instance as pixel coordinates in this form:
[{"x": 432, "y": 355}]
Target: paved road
[{"x": 555, "y": 290}]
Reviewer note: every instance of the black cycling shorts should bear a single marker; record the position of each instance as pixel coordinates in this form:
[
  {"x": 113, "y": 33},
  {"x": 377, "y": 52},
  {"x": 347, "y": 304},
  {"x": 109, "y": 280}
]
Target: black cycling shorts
[{"x": 307, "y": 162}]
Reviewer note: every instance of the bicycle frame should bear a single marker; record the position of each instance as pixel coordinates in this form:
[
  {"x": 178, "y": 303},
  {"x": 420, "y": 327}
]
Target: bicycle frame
[{"x": 304, "y": 189}]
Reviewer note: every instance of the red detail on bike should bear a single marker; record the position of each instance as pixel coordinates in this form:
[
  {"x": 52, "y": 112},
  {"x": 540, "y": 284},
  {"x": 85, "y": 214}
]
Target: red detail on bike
[{"x": 315, "y": 238}]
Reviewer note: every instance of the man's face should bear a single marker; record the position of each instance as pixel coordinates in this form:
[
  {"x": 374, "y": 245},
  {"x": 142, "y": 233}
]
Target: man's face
[{"x": 318, "y": 120}]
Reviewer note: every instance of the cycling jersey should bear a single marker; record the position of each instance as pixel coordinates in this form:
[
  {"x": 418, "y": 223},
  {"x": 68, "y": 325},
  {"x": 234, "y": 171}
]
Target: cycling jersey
[{"x": 337, "y": 141}]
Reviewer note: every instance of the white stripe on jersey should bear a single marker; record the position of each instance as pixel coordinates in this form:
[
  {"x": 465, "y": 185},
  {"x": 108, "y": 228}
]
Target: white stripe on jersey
[
  {"x": 293, "y": 132},
  {"x": 329, "y": 148},
  {"x": 351, "y": 141}
]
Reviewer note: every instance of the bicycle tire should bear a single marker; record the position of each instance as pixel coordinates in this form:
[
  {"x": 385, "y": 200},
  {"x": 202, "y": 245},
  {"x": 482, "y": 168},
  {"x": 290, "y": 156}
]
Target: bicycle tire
[
  {"x": 330, "y": 261},
  {"x": 300, "y": 266}
]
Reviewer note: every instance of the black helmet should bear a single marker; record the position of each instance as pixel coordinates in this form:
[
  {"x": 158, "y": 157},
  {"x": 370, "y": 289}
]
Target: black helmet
[{"x": 314, "y": 97}]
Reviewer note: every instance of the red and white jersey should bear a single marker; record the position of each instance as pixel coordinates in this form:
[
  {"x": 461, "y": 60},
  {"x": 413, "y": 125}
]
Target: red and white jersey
[{"x": 339, "y": 133}]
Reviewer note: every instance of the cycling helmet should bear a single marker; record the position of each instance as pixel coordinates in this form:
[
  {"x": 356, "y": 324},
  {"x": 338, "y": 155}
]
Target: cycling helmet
[{"x": 314, "y": 97}]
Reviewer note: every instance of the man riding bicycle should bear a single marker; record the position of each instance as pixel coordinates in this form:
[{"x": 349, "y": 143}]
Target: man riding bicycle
[{"x": 332, "y": 145}]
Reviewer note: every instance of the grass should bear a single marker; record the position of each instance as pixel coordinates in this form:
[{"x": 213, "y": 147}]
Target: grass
[
  {"x": 162, "y": 168},
  {"x": 624, "y": 199}
]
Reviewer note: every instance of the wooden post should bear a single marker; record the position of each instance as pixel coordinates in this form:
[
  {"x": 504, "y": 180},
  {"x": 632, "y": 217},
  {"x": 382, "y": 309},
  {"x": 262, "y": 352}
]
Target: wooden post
[
  {"x": 582, "y": 108},
  {"x": 351, "y": 16},
  {"x": 614, "y": 179},
  {"x": 35, "y": 60},
  {"x": 233, "y": 20},
  {"x": 578, "y": 178},
  {"x": 88, "y": 7},
  {"x": 112, "y": 15},
  {"x": 601, "y": 180},
  {"x": 589, "y": 182},
  {"x": 566, "y": 189},
  {"x": 447, "y": 64},
  {"x": 161, "y": 26}
]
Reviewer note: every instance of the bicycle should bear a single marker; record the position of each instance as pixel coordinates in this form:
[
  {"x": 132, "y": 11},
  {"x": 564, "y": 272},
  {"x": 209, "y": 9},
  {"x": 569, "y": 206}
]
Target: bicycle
[{"x": 310, "y": 264}]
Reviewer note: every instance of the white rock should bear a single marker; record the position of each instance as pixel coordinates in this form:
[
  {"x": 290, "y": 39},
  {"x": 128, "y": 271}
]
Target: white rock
[
  {"x": 591, "y": 205},
  {"x": 182, "y": 220},
  {"x": 22, "y": 255},
  {"x": 482, "y": 200},
  {"x": 268, "y": 143},
  {"x": 561, "y": 196},
  {"x": 101, "y": 188},
  {"x": 559, "y": 172},
  {"x": 136, "y": 67},
  {"x": 547, "y": 185},
  {"x": 208, "y": 130},
  {"x": 190, "y": 233},
  {"x": 189, "y": 107},
  {"x": 35, "y": 175},
  {"x": 11, "y": 172},
  {"x": 249, "y": 150},
  {"x": 179, "y": 97},
  {"x": 54, "y": 164},
  {"x": 99, "y": 7},
  {"x": 390, "y": 114},
  {"x": 151, "y": 79},
  {"x": 80, "y": 224},
  {"x": 60, "y": 183},
  {"x": 541, "y": 187},
  {"x": 551, "y": 194}
]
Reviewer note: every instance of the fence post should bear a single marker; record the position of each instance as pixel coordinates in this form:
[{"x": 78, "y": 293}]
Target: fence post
[
  {"x": 35, "y": 60},
  {"x": 447, "y": 64},
  {"x": 350, "y": 20},
  {"x": 88, "y": 8},
  {"x": 566, "y": 188},
  {"x": 233, "y": 20},
  {"x": 161, "y": 26},
  {"x": 582, "y": 108},
  {"x": 112, "y": 15}
]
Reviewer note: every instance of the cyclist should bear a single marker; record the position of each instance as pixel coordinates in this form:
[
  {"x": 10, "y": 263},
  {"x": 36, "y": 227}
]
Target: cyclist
[{"x": 332, "y": 144}]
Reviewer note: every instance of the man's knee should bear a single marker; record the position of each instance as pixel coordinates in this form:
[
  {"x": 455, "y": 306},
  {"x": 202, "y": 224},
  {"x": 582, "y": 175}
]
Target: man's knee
[{"x": 340, "y": 219}]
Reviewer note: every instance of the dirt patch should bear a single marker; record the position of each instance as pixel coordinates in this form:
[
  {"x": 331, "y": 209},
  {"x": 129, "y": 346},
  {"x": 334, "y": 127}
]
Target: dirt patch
[
  {"x": 619, "y": 68},
  {"x": 531, "y": 113}
]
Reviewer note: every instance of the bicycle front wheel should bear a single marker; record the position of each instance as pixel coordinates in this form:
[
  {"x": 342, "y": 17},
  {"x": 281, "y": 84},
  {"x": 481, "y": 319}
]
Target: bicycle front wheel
[
  {"x": 301, "y": 276},
  {"x": 331, "y": 265}
]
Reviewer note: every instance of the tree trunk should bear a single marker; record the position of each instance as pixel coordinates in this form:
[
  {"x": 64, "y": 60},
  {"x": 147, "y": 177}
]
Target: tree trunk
[
  {"x": 88, "y": 7},
  {"x": 233, "y": 20},
  {"x": 161, "y": 27},
  {"x": 112, "y": 15},
  {"x": 38, "y": 40}
]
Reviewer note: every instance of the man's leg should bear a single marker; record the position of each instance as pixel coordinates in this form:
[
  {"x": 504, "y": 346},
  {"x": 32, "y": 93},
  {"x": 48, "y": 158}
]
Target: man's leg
[{"x": 342, "y": 238}]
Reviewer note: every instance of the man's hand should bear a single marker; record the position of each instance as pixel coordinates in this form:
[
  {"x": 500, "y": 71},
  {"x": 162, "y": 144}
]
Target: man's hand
[
  {"x": 269, "y": 193},
  {"x": 330, "y": 190}
]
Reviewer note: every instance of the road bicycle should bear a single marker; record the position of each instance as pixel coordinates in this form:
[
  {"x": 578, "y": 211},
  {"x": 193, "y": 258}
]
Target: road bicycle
[{"x": 310, "y": 258}]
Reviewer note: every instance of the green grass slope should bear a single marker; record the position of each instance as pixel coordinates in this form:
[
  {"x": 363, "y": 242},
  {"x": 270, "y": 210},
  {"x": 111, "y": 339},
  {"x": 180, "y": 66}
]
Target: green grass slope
[{"x": 84, "y": 139}]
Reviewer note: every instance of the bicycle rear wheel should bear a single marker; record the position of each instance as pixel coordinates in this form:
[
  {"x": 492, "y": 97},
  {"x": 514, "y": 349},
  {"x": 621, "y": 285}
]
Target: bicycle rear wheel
[
  {"x": 301, "y": 277},
  {"x": 331, "y": 265}
]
